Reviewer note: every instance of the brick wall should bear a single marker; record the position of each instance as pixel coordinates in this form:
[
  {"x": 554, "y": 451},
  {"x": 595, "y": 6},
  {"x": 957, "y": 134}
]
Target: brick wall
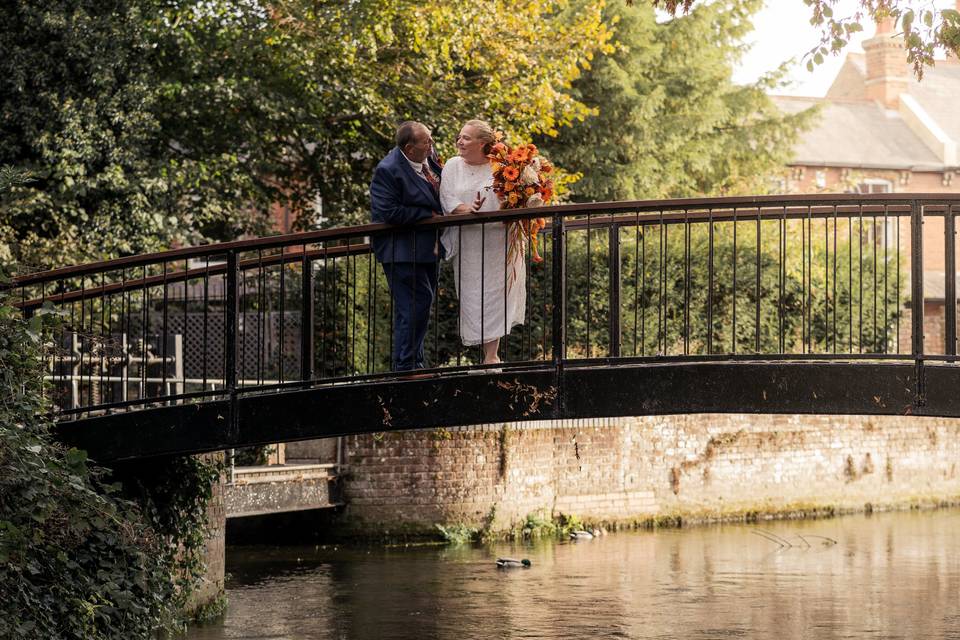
[
  {"x": 211, "y": 586},
  {"x": 635, "y": 468}
]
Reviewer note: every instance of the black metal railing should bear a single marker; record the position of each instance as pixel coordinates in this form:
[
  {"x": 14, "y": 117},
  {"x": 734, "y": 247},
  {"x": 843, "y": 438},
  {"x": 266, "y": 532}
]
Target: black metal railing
[{"x": 820, "y": 277}]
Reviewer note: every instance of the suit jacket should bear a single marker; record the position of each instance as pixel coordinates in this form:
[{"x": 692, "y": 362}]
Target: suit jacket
[{"x": 398, "y": 195}]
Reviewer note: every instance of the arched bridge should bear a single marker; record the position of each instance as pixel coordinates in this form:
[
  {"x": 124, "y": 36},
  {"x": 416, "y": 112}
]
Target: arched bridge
[{"x": 836, "y": 304}]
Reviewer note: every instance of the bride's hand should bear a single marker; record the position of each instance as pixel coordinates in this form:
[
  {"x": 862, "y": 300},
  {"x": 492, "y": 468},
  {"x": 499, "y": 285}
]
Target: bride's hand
[
  {"x": 478, "y": 202},
  {"x": 462, "y": 208}
]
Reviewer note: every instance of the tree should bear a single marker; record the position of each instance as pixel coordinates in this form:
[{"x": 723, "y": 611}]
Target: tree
[
  {"x": 924, "y": 28},
  {"x": 670, "y": 122},
  {"x": 151, "y": 122}
]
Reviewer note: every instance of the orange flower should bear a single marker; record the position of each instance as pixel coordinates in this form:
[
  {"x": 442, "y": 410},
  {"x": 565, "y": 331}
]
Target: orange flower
[
  {"x": 499, "y": 147},
  {"x": 512, "y": 198},
  {"x": 530, "y": 191},
  {"x": 511, "y": 173},
  {"x": 495, "y": 166},
  {"x": 509, "y": 186}
]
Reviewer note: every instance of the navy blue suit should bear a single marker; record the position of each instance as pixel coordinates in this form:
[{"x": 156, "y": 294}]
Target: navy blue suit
[{"x": 410, "y": 258}]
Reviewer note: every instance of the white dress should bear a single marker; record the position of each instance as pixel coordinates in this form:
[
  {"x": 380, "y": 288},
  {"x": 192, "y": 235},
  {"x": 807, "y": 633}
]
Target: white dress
[{"x": 488, "y": 287}]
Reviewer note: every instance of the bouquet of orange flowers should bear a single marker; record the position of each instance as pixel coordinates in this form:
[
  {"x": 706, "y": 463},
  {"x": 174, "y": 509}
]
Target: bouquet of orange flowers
[{"x": 521, "y": 180}]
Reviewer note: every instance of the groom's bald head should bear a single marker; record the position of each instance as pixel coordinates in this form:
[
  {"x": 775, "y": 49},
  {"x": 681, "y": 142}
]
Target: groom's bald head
[{"x": 413, "y": 138}]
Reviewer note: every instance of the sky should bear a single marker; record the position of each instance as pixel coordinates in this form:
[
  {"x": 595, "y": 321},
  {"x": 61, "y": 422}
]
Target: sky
[{"x": 783, "y": 31}]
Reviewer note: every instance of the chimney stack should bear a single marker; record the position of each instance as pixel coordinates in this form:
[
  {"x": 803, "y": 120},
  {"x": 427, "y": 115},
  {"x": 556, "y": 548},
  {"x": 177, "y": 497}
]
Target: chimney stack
[{"x": 887, "y": 73}]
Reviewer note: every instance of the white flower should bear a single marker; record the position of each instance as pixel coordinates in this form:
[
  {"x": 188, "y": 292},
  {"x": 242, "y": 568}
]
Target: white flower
[
  {"x": 529, "y": 176},
  {"x": 535, "y": 200},
  {"x": 535, "y": 163}
]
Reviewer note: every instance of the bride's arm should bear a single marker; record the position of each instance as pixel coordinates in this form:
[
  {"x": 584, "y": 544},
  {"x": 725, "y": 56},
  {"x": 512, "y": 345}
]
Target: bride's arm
[{"x": 448, "y": 200}]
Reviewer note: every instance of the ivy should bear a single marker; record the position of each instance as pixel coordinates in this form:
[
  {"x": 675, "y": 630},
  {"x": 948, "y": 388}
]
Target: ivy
[{"x": 81, "y": 554}]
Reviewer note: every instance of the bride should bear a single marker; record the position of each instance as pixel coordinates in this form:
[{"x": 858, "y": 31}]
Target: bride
[{"x": 492, "y": 291}]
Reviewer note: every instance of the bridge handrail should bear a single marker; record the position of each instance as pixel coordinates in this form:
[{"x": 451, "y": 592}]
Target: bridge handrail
[{"x": 765, "y": 205}]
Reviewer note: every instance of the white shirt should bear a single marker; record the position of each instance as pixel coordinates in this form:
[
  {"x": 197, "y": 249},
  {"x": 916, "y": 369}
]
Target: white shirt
[{"x": 418, "y": 167}]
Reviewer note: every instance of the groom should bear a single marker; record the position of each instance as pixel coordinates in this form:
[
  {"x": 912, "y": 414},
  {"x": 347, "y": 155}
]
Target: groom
[{"x": 405, "y": 189}]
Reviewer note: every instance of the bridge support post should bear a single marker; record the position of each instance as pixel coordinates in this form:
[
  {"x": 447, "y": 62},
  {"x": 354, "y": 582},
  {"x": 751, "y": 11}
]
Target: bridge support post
[{"x": 207, "y": 600}]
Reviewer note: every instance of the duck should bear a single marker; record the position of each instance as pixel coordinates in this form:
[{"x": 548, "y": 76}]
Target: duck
[
  {"x": 509, "y": 563},
  {"x": 580, "y": 535}
]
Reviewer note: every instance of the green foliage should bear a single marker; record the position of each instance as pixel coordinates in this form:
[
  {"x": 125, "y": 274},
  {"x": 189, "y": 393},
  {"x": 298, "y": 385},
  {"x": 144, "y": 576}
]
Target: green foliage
[
  {"x": 456, "y": 534},
  {"x": 670, "y": 122},
  {"x": 148, "y": 123},
  {"x": 77, "y": 558}
]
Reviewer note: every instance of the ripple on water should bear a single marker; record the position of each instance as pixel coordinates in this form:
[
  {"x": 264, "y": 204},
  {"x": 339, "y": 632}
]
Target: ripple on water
[{"x": 888, "y": 576}]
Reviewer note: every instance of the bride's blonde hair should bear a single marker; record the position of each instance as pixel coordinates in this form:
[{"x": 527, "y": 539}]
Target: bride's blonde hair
[{"x": 484, "y": 132}]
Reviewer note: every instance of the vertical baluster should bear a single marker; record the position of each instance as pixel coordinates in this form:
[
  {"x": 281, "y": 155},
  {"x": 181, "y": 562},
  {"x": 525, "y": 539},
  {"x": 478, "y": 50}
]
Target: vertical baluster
[
  {"x": 826, "y": 284},
  {"x": 371, "y": 314},
  {"x": 759, "y": 293},
  {"x": 614, "y": 274},
  {"x": 163, "y": 340},
  {"x": 643, "y": 291},
  {"x": 781, "y": 277},
  {"x": 374, "y": 312},
  {"x": 589, "y": 288},
  {"x": 636, "y": 278},
  {"x": 558, "y": 282},
  {"x": 543, "y": 298},
  {"x": 206, "y": 308},
  {"x": 809, "y": 290},
  {"x": 733, "y": 337},
  {"x": 183, "y": 340},
  {"x": 899, "y": 313},
  {"x": 352, "y": 308},
  {"x": 507, "y": 267},
  {"x": 886, "y": 263},
  {"x": 860, "y": 274},
  {"x": 686, "y": 283},
  {"x": 916, "y": 296},
  {"x": 262, "y": 319},
  {"x": 88, "y": 357},
  {"x": 144, "y": 336},
  {"x": 306, "y": 315},
  {"x": 835, "y": 299},
  {"x": 103, "y": 298},
  {"x": 460, "y": 292},
  {"x": 850, "y": 283},
  {"x": 662, "y": 310},
  {"x": 804, "y": 275},
  {"x": 710, "y": 275},
  {"x": 950, "y": 283},
  {"x": 232, "y": 309},
  {"x": 281, "y": 350},
  {"x": 873, "y": 340},
  {"x": 246, "y": 306},
  {"x": 324, "y": 301}
]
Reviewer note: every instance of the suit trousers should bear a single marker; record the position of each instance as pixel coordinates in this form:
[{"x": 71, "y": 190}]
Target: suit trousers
[{"x": 413, "y": 286}]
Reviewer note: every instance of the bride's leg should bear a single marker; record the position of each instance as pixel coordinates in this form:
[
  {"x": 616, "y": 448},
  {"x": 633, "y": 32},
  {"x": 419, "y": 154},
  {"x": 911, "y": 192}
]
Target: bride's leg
[{"x": 490, "y": 351}]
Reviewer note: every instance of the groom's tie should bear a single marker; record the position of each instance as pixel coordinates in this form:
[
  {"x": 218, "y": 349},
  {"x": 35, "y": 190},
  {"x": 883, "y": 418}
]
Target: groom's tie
[{"x": 426, "y": 173}]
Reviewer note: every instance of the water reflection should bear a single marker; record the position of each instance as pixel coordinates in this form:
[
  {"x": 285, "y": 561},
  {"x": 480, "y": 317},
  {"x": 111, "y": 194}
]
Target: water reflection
[{"x": 887, "y": 576}]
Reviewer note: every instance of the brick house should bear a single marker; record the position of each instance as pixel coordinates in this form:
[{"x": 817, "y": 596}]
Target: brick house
[{"x": 881, "y": 130}]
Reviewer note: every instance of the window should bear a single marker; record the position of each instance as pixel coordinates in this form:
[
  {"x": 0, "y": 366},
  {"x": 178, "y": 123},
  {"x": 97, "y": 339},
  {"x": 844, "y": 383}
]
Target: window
[{"x": 875, "y": 185}]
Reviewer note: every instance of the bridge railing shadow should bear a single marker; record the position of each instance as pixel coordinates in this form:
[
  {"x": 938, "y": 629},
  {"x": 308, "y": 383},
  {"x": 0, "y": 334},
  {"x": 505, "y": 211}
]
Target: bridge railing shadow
[{"x": 824, "y": 277}]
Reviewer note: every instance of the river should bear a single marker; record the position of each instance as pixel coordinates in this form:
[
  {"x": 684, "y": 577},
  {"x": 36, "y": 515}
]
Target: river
[{"x": 891, "y": 575}]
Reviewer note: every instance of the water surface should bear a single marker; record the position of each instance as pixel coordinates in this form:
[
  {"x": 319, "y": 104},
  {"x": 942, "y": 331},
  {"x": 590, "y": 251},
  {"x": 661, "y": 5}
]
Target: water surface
[{"x": 888, "y": 576}]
